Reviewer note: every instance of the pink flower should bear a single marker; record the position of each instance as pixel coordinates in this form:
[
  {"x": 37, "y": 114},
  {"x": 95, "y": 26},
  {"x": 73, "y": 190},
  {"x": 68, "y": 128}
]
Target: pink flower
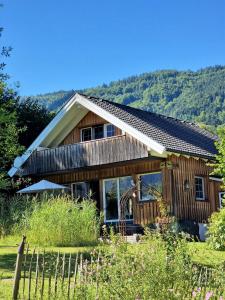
[
  {"x": 221, "y": 298},
  {"x": 208, "y": 295},
  {"x": 194, "y": 294}
]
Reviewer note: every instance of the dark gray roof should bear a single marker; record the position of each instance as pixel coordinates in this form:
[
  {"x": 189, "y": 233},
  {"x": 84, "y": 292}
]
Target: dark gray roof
[{"x": 175, "y": 135}]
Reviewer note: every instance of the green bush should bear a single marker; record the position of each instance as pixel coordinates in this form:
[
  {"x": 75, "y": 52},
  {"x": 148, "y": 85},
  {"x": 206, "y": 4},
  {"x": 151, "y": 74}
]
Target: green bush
[
  {"x": 155, "y": 269},
  {"x": 60, "y": 221},
  {"x": 216, "y": 230}
]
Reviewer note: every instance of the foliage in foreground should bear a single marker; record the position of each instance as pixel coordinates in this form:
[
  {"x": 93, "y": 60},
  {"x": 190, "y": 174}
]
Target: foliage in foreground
[
  {"x": 59, "y": 221},
  {"x": 159, "y": 268},
  {"x": 216, "y": 230}
]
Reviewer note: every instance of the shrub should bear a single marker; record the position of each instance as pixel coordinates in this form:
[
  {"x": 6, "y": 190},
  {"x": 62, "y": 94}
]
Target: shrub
[
  {"x": 216, "y": 230},
  {"x": 60, "y": 221}
]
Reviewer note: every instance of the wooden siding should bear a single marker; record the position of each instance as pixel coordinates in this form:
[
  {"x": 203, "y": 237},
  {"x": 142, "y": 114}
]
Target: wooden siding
[
  {"x": 86, "y": 154},
  {"x": 175, "y": 171},
  {"x": 124, "y": 169},
  {"x": 185, "y": 205},
  {"x": 144, "y": 212},
  {"x": 89, "y": 120}
]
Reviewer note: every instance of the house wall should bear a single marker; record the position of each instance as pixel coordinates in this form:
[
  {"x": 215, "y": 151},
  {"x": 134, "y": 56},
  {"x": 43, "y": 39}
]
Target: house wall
[
  {"x": 89, "y": 120},
  {"x": 185, "y": 205},
  {"x": 175, "y": 171},
  {"x": 145, "y": 212}
]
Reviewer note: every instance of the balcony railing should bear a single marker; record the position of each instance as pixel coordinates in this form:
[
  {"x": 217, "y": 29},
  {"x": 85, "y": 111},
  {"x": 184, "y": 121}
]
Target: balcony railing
[{"x": 85, "y": 154}]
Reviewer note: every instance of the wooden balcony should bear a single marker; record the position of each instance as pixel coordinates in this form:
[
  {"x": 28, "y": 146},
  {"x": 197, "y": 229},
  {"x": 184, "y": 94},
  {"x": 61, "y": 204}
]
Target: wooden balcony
[{"x": 85, "y": 154}]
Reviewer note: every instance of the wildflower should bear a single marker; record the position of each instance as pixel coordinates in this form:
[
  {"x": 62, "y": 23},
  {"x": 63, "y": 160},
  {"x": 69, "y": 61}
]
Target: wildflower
[
  {"x": 194, "y": 294},
  {"x": 208, "y": 295}
]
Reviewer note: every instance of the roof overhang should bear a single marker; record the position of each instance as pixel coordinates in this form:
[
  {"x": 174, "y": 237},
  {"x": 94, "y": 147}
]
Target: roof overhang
[{"x": 67, "y": 118}]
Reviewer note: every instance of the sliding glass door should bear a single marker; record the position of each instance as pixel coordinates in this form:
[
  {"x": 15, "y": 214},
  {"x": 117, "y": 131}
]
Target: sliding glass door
[{"x": 113, "y": 190}]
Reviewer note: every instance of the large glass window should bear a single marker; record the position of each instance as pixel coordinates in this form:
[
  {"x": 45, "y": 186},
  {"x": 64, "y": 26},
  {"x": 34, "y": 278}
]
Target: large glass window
[
  {"x": 86, "y": 134},
  {"x": 125, "y": 183},
  {"x": 199, "y": 188},
  {"x": 114, "y": 189},
  {"x": 146, "y": 182},
  {"x": 98, "y": 132},
  {"x": 111, "y": 199}
]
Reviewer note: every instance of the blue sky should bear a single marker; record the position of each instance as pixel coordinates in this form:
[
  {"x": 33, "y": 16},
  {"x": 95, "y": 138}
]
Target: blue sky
[{"x": 73, "y": 44}]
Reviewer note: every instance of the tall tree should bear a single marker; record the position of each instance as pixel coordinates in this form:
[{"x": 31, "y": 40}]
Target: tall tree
[
  {"x": 9, "y": 132},
  {"x": 33, "y": 117}
]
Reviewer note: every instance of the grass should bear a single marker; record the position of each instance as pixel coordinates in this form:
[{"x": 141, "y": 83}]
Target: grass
[
  {"x": 203, "y": 255},
  {"x": 8, "y": 254},
  {"x": 200, "y": 254}
]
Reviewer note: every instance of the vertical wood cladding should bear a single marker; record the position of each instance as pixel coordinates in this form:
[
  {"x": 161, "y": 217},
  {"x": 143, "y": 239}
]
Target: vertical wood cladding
[
  {"x": 89, "y": 120},
  {"x": 185, "y": 205},
  {"x": 181, "y": 202}
]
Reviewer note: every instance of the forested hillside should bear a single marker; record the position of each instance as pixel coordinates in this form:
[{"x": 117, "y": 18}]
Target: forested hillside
[{"x": 196, "y": 96}]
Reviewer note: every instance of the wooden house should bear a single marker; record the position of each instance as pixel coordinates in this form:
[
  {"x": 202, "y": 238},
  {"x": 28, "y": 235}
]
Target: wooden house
[{"x": 107, "y": 148}]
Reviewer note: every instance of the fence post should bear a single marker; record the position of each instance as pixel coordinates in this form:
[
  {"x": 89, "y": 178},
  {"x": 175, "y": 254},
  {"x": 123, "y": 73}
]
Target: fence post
[{"x": 19, "y": 262}]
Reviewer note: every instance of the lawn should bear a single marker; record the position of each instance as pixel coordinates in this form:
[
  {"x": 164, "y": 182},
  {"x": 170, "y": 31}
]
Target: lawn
[
  {"x": 8, "y": 253},
  {"x": 200, "y": 253}
]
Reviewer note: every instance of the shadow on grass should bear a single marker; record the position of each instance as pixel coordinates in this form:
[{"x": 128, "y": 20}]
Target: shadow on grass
[{"x": 7, "y": 265}]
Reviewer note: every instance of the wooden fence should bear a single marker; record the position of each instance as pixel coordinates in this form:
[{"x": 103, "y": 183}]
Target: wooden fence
[{"x": 41, "y": 275}]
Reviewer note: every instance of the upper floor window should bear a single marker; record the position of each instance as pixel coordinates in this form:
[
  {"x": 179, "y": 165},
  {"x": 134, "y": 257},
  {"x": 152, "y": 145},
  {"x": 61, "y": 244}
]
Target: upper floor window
[
  {"x": 97, "y": 132},
  {"x": 110, "y": 130},
  {"x": 199, "y": 188},
  {"x": 86, "y": 134},
  {"x": 148, "y": 181}
]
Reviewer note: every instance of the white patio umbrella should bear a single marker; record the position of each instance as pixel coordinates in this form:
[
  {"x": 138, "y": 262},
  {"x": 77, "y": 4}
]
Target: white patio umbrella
[{"x": 42, "y": 186}]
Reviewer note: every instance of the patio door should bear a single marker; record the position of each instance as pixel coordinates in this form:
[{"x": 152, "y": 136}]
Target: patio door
[{"x": 113, "y": 190}]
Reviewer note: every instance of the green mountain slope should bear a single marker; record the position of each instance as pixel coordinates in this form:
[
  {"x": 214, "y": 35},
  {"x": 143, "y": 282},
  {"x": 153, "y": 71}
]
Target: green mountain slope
[{"x": 195, "y": 96}]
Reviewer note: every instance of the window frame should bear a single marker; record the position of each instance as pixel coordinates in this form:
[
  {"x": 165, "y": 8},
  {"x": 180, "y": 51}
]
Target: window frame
[
  {"x": 139, "y": 186},
  {"x": 203, "y": 189},
  {"x": 105, "y": 130},
  {"x": 221, "y": 194},
  {"x": 93, "y": 132},
  {"x": 81, "y": 135},
  {"x": 117, "y": 179},
  {"x": 76, "y": 183}
]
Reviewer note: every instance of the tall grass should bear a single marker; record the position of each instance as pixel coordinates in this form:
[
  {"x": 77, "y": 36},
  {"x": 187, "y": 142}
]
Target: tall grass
[{"x": 60, "y": 221}]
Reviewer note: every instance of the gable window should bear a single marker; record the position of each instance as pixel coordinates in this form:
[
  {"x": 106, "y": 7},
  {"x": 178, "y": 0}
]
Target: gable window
[
  {"x": 109, "y": 130},
  {"x": 146, "y": 181},
  {"x": 199, "y": 188},
  {"x": 86, "y": 134},
  {"x": 98, "y": 132}
]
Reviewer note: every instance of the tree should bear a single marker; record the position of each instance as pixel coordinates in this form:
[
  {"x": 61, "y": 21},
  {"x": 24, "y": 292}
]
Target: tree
[
  {"x": 33, "y": 117},
  {"x": 220, "y": 157},
  {"x": 9, "y": 131}
]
